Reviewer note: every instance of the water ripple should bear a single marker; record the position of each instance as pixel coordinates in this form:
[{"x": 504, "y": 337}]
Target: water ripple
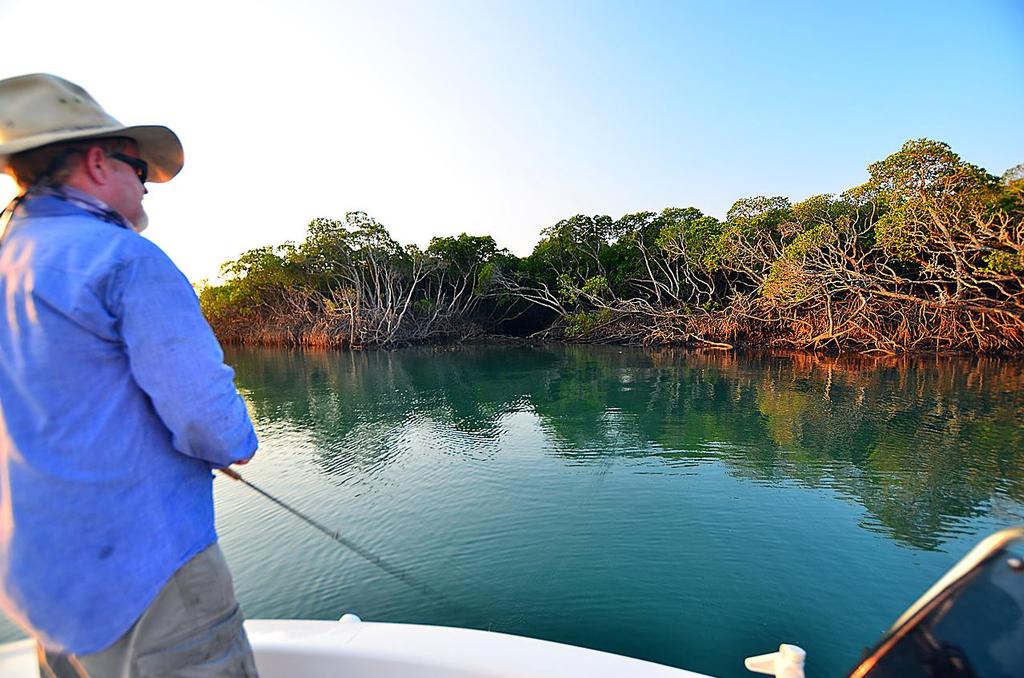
[{"x": 627, "y": 499}]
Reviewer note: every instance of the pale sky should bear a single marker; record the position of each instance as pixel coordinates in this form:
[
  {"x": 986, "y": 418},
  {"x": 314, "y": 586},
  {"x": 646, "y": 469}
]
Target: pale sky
[{"x": 501, "y": 118}]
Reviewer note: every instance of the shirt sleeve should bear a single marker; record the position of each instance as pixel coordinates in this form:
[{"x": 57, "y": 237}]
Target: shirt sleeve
[{"x": 175, "y": 358}]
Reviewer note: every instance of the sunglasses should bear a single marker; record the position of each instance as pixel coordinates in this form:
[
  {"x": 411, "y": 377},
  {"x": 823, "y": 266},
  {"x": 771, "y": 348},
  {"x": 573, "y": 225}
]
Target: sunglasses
[{"x": 140, "y": 166}]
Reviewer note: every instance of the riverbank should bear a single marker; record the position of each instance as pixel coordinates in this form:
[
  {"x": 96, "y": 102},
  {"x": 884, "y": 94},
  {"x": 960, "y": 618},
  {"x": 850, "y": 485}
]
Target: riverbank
[
  {"x": 926, "y": 256},
  {"x": 548, "y": 339}
]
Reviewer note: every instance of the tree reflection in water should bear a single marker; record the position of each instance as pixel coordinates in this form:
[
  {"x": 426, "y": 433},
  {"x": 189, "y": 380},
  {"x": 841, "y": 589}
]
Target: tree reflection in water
[{"x": 921, "y": 443}]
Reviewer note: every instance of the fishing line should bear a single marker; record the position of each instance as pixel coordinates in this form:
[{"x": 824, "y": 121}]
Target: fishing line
[{"x": 395, "y": 571}]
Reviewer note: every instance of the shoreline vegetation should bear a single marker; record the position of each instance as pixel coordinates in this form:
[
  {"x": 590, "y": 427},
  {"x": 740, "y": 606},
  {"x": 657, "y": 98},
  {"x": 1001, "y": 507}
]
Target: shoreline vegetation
[{"x": 926, "y": 256}]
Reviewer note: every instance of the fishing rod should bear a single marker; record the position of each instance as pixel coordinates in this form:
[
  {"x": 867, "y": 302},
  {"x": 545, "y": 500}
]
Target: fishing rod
[{"x": 395, "y": 571}]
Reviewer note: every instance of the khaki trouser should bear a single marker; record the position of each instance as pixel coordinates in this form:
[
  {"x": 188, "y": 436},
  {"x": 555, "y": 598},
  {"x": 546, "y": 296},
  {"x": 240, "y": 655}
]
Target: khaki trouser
[{"x": 193, "y": 629}]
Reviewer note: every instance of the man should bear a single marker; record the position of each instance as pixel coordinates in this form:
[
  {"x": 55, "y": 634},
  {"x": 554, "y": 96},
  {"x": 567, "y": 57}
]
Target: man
[{"x": 115, "y": 406}]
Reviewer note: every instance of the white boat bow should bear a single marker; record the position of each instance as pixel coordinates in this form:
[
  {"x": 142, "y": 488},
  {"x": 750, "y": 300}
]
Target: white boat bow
[{"x": 356, "y": 649}]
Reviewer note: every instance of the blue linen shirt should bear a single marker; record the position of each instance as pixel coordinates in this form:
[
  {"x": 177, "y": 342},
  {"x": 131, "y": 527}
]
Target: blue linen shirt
[{"x": 115, "y": 406}]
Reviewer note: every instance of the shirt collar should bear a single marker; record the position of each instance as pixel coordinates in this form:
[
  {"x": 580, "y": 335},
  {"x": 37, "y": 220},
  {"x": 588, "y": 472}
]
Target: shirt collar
[
  {"x": 70, "y": 197},
  {"x": 82, "y": 200}
]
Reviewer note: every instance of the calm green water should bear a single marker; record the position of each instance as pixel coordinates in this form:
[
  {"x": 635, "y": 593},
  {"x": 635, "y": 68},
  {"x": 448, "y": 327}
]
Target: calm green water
[{"x": 686, "y": 508}]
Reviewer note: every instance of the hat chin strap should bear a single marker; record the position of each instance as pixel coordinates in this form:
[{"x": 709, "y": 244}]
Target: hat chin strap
[{"x": 8, "y": 214}]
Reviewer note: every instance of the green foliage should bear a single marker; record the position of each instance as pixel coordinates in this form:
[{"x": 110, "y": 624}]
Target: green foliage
[
  {"x": 1005, "y": 262},
  {"x": 900, "y": 233},
  {"x": 215, "y": 301},
  {"x": 254, "y": 279},
  {"x": 824, "y": 209},
  {"x": 582, "y": 323},
  {"x": 816, "y": 237},
  {"x": 567, "y": 290},
  {"x": 262, "y": 266},
  {"x": 622, "y": 259},
  {"x": 694, "y": 237},
  {"x": 596, "y": 286},
  {"x": 754, "y": 225},
  {"x": 465, "y": 262},
  {"x": 759, "y": 214},
  {"x": 926, "y": 167},
  {"x": 787, "y": 281},
  {"x": 492, "y": 271},
  {"x": 636, "y": 226},
  {"x": 571, "y": 246},
  {"x": 463, "y": 254}
]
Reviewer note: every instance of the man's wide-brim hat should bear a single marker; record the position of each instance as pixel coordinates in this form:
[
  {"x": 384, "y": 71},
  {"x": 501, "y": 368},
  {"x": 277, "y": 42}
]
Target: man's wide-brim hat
[{"x": 42, "y": 109}]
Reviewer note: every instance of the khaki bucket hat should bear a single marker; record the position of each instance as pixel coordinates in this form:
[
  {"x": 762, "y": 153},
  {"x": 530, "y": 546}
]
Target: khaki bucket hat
[{"x": 41, "y": 109}]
